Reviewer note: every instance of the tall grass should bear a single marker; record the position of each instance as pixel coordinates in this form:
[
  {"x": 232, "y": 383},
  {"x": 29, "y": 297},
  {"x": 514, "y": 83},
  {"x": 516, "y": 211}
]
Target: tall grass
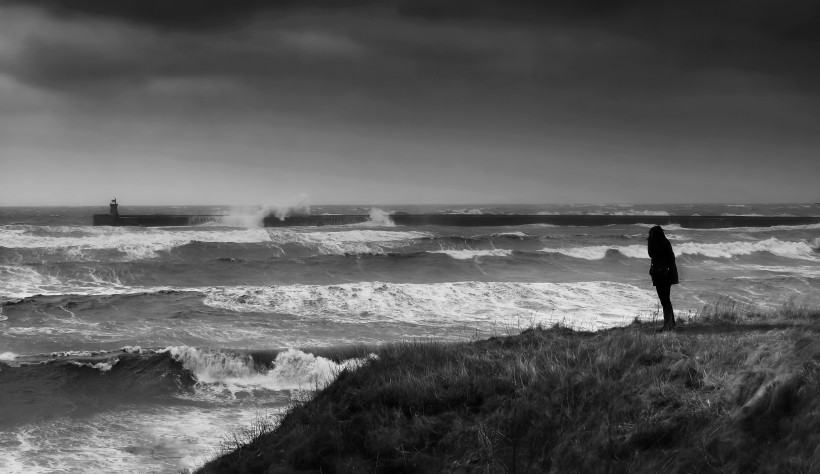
[{"x": 560, "y": 400}]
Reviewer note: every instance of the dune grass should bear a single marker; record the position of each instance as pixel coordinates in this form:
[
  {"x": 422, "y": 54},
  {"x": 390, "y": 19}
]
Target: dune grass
[{"x": 733, "y": 390}]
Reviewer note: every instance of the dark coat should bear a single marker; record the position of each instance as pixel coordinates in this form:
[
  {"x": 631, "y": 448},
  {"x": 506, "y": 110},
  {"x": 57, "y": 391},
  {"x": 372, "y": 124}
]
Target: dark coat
[{"x": 663, "y": 269}]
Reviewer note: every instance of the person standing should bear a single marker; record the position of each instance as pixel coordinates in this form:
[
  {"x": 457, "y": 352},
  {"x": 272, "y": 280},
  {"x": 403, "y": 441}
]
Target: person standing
[{"x": 663, "y": 271}]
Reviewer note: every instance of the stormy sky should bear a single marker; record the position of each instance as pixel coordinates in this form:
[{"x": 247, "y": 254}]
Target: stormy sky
[{"x": 409, "y": 101}]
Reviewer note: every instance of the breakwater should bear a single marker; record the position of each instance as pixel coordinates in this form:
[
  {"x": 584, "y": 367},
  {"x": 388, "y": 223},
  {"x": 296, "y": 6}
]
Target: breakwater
[
  {"x": 154, "y": 220},
  {"x": 466, "y": 220}
]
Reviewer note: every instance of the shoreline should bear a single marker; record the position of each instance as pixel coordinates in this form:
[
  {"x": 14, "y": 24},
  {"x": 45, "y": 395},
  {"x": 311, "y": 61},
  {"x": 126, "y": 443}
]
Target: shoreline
[{"x": 726, "y": 391}]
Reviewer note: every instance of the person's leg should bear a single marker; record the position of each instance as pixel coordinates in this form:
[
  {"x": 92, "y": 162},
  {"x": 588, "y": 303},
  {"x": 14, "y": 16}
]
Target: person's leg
[
  {"x": 671, "y": 311},
  {"x": 666, "y": 303}
]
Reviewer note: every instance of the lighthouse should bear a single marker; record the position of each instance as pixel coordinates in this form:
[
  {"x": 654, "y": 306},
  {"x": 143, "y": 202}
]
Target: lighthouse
[{"x": 112, "y": 209}]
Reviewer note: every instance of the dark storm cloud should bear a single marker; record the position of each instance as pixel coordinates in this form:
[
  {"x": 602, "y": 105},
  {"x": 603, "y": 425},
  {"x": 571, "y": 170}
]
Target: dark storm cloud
[
  {"x": 615, "y": 54},
  {"x": 781, "y": 38},
  {"x": 175, "y": 13},
  {"x": 137, "y": 57},
  {"x": 570, "y": 42}
]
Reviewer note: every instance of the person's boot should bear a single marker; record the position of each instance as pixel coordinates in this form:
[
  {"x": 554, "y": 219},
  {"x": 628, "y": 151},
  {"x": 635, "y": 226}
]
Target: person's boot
[{"x": 667, "y": 321}]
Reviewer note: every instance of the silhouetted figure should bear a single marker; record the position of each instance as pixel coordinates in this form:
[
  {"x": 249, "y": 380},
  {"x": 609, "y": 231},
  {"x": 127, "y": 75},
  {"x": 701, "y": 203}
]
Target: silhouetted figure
[{"x": 663, "y": 271}]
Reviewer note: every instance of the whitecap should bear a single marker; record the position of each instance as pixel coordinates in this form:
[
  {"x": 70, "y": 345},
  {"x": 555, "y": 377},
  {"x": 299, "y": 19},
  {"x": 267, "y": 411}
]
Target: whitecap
[
  {"x": 470, "y": 254},
  {"x": 291, "y": 370},
  {"x": 135, "y": 242},
  {"x": 103, "y": 367},
  {"x": 359, "y": 241},
  {"x": 468, "y": 302},
  {"x": 788, "y": 249}
]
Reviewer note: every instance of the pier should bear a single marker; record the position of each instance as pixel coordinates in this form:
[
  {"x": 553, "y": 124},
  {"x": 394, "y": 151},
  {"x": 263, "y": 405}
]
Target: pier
[{"x": 464, "y": 220}]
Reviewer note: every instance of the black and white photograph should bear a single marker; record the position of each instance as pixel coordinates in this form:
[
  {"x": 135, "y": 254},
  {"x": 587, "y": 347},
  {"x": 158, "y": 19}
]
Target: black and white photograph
[{"x": 409, "y": 236}]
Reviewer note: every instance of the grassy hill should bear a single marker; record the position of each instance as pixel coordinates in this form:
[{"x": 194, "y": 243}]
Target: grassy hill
[{"x": 728, "y": 392}]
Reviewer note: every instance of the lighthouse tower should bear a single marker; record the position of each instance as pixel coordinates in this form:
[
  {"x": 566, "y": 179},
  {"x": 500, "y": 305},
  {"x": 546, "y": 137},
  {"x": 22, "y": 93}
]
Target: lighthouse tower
[{"x": 112, "y": 209}]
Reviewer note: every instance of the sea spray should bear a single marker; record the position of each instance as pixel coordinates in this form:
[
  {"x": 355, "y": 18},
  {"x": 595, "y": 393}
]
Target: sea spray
[
  {"x": 297, "y": 206},
  {"x": 291, "y": 370},
  {"x": 244, "y": 216},
  {"x": 7, "y": 356},
  {"x": 379, "y": 217},
  {"x": 296, "y": 369}
]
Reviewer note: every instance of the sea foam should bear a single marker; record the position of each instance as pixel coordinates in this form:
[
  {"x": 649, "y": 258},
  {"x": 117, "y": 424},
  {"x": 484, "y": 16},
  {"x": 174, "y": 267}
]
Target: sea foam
[
  {"x": 135, "y": 242},
  {"x": 8, "y": 356},
  {"x": 443, "y": 304},
  {"x": 25, "y": 281},
  {"x": 292, "y": 369},
  {"x": 103, "y": 367},
  {"x": 467, "y": 254},
  {"x": 788, "y": 249},
  {"x": 359, "y": 241}
]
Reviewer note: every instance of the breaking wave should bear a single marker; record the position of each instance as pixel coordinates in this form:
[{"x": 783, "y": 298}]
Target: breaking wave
[
  {"x": 78, "y": 243},
  {"x": 364, "y": 241},
  {"x": 595, "y": 212},
  {"x": 441, "y": 303},
  {"x": 174, "y": 370},
  {"x": 774, "y": 246},
  {"x": 466, "y": 254},
  {"x": 291, "y": 370}
]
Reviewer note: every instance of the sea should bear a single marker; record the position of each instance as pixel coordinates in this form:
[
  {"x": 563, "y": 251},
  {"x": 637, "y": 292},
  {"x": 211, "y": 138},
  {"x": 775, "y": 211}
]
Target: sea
[{"x": 139, "y": 349}]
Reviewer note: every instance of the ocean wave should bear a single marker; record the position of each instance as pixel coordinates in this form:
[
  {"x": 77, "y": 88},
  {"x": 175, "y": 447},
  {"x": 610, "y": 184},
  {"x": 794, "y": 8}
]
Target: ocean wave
[
  {"x": 135, "y": 242},
  {"x": 455, "y": 239},
  {"x": 775, "y": 228},
  {"x": 76, "y": 353},
  {"x": 514, "y": 235},
  {"x": 472, "y": 303},
  {"x": 630, "y": 212},
  {"x": 774, "y": 246},
  {"x": 788, "y": 249},
  {"x": 461, "y": 211},
  {"x": 666, "y": 227},
  {"x": 597, "y": 252},
  {"x": 152, "y": 373},
  {"x": 103, "y": 367},
  {"x": 802, "y": 270},
  {"x": 634, "y": 212},
  {"x": 518, "y": 234},
  {"x": 291, "y": 370},
  {"x": 22, "y": 281},
  {"x": 441, "y": 303},
  {"x": 8, "y": 356},
  {"x": 364, "y": 241},
  {"x": 466, "y": 254}
]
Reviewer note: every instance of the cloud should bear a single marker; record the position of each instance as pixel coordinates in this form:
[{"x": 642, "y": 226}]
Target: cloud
[
  {"x": 557, "y": 41},
  {"x": 95, "y": 54},
  {"x": 175, "y": 14},
  {"x": 422, "y": 62}
]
